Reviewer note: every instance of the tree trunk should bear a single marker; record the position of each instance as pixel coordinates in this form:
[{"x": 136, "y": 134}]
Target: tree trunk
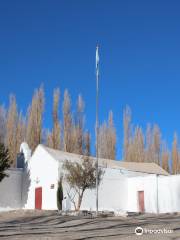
[{"x": 80, "y": 200}]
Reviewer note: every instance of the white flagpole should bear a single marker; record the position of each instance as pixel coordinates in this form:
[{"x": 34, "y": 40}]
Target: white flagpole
[{"x": 97, "y": 127}]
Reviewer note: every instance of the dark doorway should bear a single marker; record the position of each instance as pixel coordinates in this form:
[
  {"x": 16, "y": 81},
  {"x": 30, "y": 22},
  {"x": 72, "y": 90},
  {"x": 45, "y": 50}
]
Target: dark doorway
[
  {"x": 141, "y": 201},
  {"x": 38, "y": 198}
]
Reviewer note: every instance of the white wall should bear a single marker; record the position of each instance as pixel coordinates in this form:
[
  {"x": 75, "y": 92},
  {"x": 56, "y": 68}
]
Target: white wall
[
  {"x": 112, "y": 193},
  {"x": 148, "y": 184},
  {"x": 10, "y": 190},
  {"x": 169, "y": 194},
  {"x": 117, "y": 192},
  {"x": 161, "y": 194}
]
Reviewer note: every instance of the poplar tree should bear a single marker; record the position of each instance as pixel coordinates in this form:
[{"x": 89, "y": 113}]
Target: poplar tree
[
  {"x": 79, "y": 125},
  {"x": 127, "y": 132},
  {"x": 138, "y": 147},
  {"x": 175, "y": 156},
  {"x": 111, "y": 137},
  {"x": 68, "y": 128},
  {"x": 11, "y": 130},
  {"x": 102, "y": 141},
  {"x": 86, "y": 144},
  {"x": 2, "y": 124},
  {"x": 56, "y": 132},
  {"x": 165, "y": 157},
  {"x": 149, "y": 145},
  {"x": 21, "y": 132},
  {"x": 35, "y": 119},
  {"x": 48, "y": 137},
  {"x": 107, "y": 139},
  {"x": 156, "y": 144}
]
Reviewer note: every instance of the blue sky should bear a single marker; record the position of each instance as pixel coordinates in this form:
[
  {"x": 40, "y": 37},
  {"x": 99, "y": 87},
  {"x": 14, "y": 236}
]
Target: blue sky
[{"x": 53, "y": 42}]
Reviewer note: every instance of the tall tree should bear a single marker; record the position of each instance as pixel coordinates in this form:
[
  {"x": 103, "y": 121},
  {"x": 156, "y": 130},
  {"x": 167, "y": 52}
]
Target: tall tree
[
  {"x": 165, "y": 157},
  {"x": 79, "y": 125},
  {"x": 111, "y": 137},
  {"x": 136, "y": 147},
  {"x": 86, "y": 144},
  {"x": 35, "y": 118},
  {"x": 48, "y": 138},
  {"x": 156, "y": 144},
  {"x": 68, "y": 128},
  {"x": 56, "y": 132},
  {"x": 149, "y": 149},
  {"x": 107, "y": 139},
  {"x": 11, "y": 130},
  {"x": 138, "y": 143},
  {"x": 139, "y": 148},
  {"x": 102, "y": 143},
  {"x": 127, "y": 131},
  {"x": 2, "y": 124},
  {"x": 175, "y": 156},
  {"x": 21, "y": 131}
]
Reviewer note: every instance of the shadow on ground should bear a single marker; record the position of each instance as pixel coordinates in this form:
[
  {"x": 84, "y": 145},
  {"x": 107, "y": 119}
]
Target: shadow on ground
[{"x": 48, "y": 225}]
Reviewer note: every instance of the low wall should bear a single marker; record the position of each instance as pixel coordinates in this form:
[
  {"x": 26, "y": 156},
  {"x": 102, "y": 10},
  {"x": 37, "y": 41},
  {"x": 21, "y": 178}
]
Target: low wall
[
  {"x": 169, "y": 194},
  {"x": 10, "y": 190},
  {"x": 161, "y": 193}
]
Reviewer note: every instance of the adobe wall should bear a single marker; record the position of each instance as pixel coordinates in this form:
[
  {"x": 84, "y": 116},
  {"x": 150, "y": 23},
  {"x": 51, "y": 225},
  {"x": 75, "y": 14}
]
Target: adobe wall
[{"x": 10, "y": 190}]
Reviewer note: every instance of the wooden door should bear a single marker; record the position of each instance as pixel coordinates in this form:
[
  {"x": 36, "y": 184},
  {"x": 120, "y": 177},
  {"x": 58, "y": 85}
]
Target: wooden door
[
  {"x": 141, "y": 201},
  {"x": 38, "y": 198}
]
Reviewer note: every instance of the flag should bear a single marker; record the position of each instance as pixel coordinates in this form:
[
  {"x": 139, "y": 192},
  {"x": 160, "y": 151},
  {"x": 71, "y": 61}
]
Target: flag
[{"x": 97, "y": 60}]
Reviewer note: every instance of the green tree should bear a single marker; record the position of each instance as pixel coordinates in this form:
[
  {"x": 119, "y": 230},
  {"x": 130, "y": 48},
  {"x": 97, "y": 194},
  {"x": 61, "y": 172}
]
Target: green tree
[
  {"x": 4, "y": 161},
  {"x": 59, "y": 195},
  {"x": 81, "y": 176}
]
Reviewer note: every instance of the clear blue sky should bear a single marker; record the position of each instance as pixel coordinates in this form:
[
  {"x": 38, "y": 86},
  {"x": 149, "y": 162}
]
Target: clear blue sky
[{"x": 53, "y": 42}]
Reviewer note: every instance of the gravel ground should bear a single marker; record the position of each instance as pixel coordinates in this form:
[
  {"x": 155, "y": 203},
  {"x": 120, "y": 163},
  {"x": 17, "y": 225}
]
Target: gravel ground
[{"x": 47, "y": 225}]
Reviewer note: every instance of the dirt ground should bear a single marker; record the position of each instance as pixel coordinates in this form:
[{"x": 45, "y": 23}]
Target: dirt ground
[{"x": 47, "y": 225}]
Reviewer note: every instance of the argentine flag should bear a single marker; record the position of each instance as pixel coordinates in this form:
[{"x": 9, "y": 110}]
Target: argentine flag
[{"x": 97, "y": 61}]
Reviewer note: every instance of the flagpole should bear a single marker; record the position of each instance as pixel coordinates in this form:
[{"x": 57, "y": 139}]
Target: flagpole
[{"x": 97, "y": 123}]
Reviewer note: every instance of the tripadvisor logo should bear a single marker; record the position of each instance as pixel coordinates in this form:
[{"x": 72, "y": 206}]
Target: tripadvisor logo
[{"x": 139, "y": 231}]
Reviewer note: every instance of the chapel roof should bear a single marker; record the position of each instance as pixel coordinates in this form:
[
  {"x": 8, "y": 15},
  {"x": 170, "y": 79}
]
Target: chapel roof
[{"x": 143, "y": 167}]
